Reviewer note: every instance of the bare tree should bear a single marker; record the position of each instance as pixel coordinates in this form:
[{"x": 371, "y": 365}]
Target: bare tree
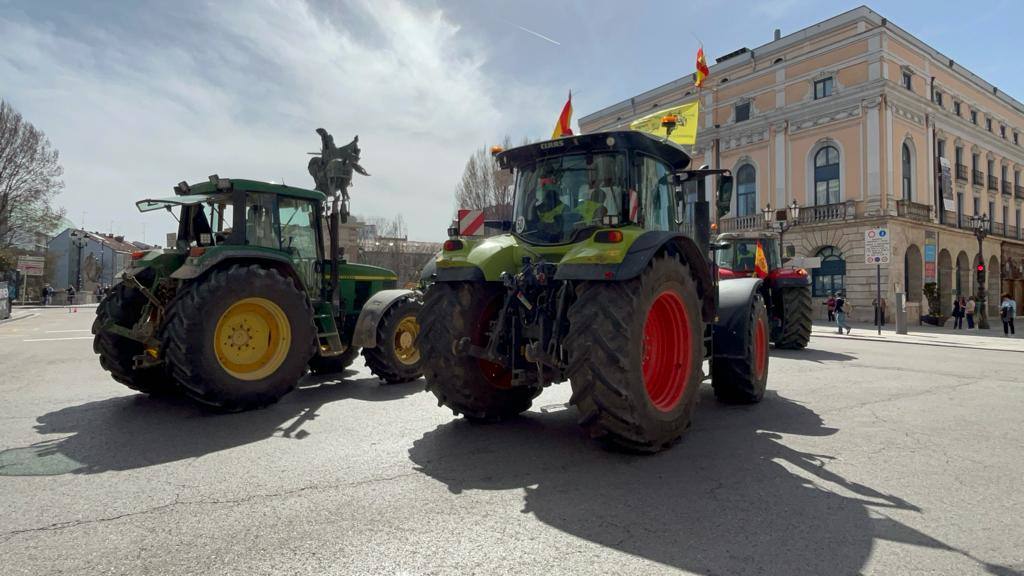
[
  {"x": 30, "y": 174},
  {"x": 486, "y": 187},
  {"x": 384, "y": 242}
]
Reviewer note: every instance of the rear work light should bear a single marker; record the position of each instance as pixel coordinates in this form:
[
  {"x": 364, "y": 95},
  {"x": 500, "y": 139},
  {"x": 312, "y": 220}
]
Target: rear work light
[
  {"x": 138, "y": 255},
  {"x": 452, "y": 245},
  {"x": 608, "y": 236}
]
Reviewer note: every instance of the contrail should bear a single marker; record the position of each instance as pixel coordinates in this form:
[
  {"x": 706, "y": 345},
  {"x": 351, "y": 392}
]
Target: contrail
[{"x": 537, "y": 34}]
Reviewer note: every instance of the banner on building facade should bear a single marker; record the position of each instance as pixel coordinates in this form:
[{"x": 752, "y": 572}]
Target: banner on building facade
[
  {"x": 683, "y": 126},
  {"x": 931, "y": 249},
  {"x": 947, "y": 186}
]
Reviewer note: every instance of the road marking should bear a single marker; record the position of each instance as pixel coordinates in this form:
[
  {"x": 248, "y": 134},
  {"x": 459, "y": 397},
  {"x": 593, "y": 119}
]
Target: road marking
[
  {"x": 60, "y": 331},
  {"x": 55, "y": 339}
]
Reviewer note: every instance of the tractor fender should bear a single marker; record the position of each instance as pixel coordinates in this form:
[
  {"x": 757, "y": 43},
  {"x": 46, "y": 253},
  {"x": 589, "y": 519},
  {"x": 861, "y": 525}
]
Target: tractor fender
[
  {"x": 730, "y": 331},
  {"x": 195, "y": 267},
  {"x": 639, "y": 255},
  {"x": 789, "y": 278},
  {"x": 365, "y": 332}
]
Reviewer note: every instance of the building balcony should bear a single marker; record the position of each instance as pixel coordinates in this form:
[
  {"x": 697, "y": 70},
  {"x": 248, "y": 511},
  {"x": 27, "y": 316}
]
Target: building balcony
[
  {"x": 824, "y": 213},
  {"x": 913, "y": 210},
  {"x": 977, "y": 178},
  {"x": 961, "y": 172},
  {"x": 1020, "y": 191},
  {"x": 1012, "y": 232},
  {"x": 738, "y": 223},
  {"x": 993, "y": 182},
  {"x": 1007, "y": 188}
]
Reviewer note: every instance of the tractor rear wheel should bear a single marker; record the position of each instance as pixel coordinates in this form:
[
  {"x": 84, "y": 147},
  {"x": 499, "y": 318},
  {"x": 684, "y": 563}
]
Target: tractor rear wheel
[
  {"x": 479, "y": 390},
  {"x": 239, "y": 338},
  {"x": 743, "y": 380},
  {"x": 323, "y": 365},
  {"x": 635, "y": 354},
  {"x": 796, "y": 313},
  {"x": 396, "y": 358},
  {"x": 122, "y": 307}
]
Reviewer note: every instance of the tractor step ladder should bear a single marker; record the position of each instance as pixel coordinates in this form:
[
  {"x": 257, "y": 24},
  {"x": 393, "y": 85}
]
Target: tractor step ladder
[{"x": 329, "y": 340}]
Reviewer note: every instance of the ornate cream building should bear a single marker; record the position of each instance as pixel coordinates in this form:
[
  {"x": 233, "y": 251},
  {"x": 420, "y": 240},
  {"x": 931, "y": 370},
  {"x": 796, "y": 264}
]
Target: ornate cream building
[{"x": 850, "y": 117}]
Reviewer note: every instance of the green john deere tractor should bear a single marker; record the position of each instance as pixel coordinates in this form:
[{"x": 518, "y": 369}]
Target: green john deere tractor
[
  {"x": 246, "y": 301},
  {"x": 606, "y": 279}
]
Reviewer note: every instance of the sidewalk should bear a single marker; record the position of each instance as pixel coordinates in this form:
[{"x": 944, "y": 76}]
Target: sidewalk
[
  {"x": 17, "y": 314},
  {"x": 991, "y": 339}
]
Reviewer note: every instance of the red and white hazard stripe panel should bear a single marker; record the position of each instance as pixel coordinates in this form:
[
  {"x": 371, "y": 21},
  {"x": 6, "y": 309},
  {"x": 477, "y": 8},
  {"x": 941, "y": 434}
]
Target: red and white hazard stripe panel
[{"x": 471, "y": 222}]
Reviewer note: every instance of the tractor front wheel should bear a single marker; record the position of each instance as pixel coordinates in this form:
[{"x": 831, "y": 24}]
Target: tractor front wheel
[
  {"x": 796, "y": 318},
  {"x": 396, "y": 358},
  {"x": 635, "y": 353},
  {"x": 478, "y": 389},
  {"x": 240, "y": 337},
  {"x": 743, "y": 380}
]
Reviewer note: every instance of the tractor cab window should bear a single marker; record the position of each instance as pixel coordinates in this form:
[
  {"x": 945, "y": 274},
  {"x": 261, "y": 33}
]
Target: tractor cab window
[
  {"x": 655, "y": 189},
  {"x": 298, "y": 235},
  {"x": 558, "y": 197},
  {"x": 259, "y": 221},
  {"x": 219, "y": 212},
  {"x": 741, "y": 254}
]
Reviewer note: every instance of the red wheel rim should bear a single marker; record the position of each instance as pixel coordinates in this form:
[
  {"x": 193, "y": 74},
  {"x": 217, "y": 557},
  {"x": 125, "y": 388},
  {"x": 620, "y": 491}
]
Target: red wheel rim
[
  {"x": 760, "y": 348},
  {"x": 667, "y": 352},
  {"x": 495, "y": 374}
]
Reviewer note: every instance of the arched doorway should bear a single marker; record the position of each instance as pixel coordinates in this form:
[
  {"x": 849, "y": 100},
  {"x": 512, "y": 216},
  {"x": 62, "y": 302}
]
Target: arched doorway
[
  {"x": 945, "y": 280},
  {"x": 963, "y": 275},
  {"x": 913, "y": 273}
]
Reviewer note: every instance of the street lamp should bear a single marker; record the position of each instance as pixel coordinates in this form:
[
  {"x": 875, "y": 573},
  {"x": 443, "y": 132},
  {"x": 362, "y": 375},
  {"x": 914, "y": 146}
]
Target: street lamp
[
  {"x": 791, "y": 220},
  {"x": 78, "y": 239},
  {"x": 980, "y": 226}
]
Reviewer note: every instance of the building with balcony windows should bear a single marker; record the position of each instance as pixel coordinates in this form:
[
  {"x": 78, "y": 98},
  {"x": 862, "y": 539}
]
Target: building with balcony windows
[{"x": 854, "y": 118}]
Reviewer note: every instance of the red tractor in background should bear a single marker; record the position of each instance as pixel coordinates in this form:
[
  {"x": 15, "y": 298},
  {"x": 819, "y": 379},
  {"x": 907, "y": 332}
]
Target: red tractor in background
[{"x": 786, "y": 290}]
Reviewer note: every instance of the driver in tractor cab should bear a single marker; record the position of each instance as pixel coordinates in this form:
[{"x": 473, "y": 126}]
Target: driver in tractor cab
[
  {"x": 593, "y": 209},
  {"x": 744, "y": 257},
  {"x": 551, "y": 211}
]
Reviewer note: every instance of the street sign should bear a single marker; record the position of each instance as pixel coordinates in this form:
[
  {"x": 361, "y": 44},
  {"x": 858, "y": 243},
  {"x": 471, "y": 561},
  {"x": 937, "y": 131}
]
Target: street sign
[
  {"x": 31, "y": 265},
  {"x": 877, "y": 248}
]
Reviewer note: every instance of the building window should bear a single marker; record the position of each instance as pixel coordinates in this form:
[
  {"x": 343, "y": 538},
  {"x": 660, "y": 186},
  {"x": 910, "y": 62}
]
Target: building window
[
  {"x": 938, "y": 98},
  {"x": 988, "y": 124},
  {"x": 941, "y": 148},
  {"x": 1016, "y": 177},
  {"x": 977, "y": 206},
  {"x": 1002, "y": 131},
  {"x": 991, "y": 215},
  {"x": 1006, "y": 217},
  {"x": 959, "y": 209},
  {"x": 746, "y": 191},
  {"x": 974, "y": 117},
  {"x": 1003, "y": 173},
  {"x": 907, "y": 83},
  {"x": 743, "y": 112},
  {"x": 991, "y": 167},
  {"x": 959, "y": 151},
  {"x": 1016, "y": 138},
  {"x": 828, "y": 278},
  {"x": 1019, "y": 231},
  {"x": 956, "y": 107},
  {"x": 826, "y": 176},
  {"x": 822, "y": 88},
  {"x": 908, "y": 182}
]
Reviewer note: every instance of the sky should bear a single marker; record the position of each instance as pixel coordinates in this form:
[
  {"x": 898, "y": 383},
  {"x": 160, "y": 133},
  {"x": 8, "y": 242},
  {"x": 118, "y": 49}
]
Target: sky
[{"x": 139, "y": 95}]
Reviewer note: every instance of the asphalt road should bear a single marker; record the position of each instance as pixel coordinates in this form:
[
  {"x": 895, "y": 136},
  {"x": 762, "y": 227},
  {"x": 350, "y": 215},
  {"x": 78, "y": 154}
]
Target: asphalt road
[{"x": 871, "y": 457}]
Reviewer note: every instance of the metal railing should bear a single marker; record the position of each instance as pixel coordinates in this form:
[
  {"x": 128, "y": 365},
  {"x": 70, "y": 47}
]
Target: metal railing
[
  {"x": 1007, "y": 188},
  {"x": 961, "y": 172},
  {"x": 823, "y": 213},
  {"x": 913, "y": 210},
  {"x": 1020, "y": 191},
  {"x": 737, "y": 223},
  {"x": 993, "y": 182},
  {"x": 977, "y": 177}
]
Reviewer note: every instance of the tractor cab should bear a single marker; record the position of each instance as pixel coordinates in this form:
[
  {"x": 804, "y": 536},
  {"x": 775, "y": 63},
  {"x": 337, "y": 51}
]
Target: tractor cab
[{"x": 737, "y": 258}]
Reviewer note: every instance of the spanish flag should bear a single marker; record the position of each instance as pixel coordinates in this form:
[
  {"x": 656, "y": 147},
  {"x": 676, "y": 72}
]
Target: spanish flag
[
  {"x": 564, "y": 125},
  {"x": 702, "y": 68},
  {"x": 760, "y": 263}
]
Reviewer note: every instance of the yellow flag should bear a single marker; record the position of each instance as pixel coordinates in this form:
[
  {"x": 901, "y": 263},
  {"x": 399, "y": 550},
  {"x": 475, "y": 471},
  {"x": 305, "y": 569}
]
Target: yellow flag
[{"x": 678, "y": 124}]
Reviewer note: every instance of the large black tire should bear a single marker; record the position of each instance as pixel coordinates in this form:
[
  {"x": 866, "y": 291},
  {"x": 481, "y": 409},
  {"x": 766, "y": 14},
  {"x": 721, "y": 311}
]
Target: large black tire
[
  {"x": 743, "y": 380},
  {"x": 393, "y": 360},
  {"x": 123, "y": 306},
  {"x": 323, "y": 365},
  {"x": 628, "y": 393},
  {"x": 188, "y": 337},
  {"x": 796, "y": 313},
  {"x": 476, "y": 389}
]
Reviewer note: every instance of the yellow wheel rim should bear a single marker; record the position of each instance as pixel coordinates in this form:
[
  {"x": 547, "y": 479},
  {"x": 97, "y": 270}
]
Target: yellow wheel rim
[
  {"x": 252, "y": 338},
  {"x": 405, "y": 340}
]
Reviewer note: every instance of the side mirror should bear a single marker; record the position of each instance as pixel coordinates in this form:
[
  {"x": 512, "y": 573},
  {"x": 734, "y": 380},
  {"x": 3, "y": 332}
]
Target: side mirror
[{"x": 724, "y": 195}]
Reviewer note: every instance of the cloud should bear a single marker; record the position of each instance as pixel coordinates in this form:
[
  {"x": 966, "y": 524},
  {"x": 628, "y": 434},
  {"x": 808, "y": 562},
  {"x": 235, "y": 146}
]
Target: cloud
[{"x": 145, "y": 99}]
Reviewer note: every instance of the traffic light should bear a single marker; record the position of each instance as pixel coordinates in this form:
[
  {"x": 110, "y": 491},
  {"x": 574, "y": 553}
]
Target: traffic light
[{"x": 981, "y": 274}]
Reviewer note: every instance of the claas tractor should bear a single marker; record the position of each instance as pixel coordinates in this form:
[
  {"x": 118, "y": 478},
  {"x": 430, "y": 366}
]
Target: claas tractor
[
  {"x": 605, "y": 279},
  {"x": 786, "y": 290},
  {"x": 248, "y": 299}
]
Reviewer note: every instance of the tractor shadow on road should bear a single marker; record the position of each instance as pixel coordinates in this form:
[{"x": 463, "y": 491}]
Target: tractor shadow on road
[
  {"x": 812, "y": 355},
  {"x": 731, "y": 498},
  {"x": 135, "y": 431}
]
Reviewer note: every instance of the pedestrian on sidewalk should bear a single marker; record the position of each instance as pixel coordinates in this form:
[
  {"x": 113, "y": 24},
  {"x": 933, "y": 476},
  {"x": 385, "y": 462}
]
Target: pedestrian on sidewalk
[
  {"x": 969, "y": 313},
  {"x": 830, "y": 305},
  {"x": 842, "y": 309},
  {"x": 47, "y": 294},
  {"x": 70, "y": 291},
  {"x": 1007, "y": 311},
  {"x": 958, "y": 314}
]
